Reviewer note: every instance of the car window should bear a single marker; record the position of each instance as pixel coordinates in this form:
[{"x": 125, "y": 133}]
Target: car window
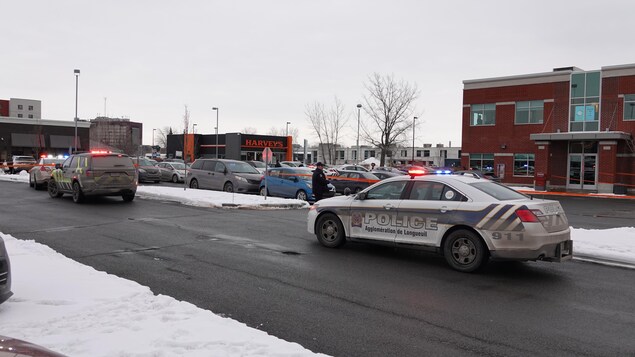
[
  {"x": 387, "y": 191},
  {"x": 208, "y": 165},
  {"x": 241, "y": 167},
  {"x": 353, "y": 175},
  {"x": 74, "y": 161},
  {"x": 67, "y": 162},
  {"x": 176, "y": 166},
  {"x": 426, "y": 190},
  {"x": 220, "y": 167},
  {"x": 106, "y": 162},
  {"x": 274, "y": 172},
  {"x": 500, "y": 192},
  {"x": 198, "y": 164}
]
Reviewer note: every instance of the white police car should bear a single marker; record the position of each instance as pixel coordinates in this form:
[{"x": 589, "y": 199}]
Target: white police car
[{"x": 468, "y": 220}]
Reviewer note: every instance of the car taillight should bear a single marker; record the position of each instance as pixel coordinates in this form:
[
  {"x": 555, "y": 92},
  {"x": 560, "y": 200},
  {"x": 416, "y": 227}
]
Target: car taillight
[
  {"x": 44, "y": 168},
  {"x": 89, "y": 173},
  {"x": 526, "y": 215}
]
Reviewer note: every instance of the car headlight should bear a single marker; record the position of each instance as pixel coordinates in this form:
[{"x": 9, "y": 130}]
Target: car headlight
[
  {"x": 240, "y": 178},
  {"x": 142, "y": 171}
]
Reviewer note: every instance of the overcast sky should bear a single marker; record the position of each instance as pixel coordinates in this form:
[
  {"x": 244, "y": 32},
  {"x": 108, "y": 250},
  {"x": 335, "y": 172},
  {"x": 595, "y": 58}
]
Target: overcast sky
[{"x": 261, "y": 62}]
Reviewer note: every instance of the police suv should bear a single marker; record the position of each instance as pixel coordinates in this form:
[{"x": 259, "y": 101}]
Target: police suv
[
  {"x": 468, "y": 220},
  {"x": 94, "y": 174}
]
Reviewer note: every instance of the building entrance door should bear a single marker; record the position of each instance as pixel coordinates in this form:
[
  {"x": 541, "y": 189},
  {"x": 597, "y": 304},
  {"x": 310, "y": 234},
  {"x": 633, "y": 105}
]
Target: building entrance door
[{"x": 582, "y": 171}]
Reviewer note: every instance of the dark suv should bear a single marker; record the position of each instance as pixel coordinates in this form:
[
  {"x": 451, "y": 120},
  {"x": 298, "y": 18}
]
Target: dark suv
[
  {"x": 5, "y": 273},
  {"x": 94, "y": 174}
]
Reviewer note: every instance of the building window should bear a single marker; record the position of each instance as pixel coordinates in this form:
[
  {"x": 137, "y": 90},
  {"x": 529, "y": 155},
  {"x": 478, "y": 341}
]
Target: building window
[
  {"x": 426, "y": 153},
  {"x": 354, "y": 154},
  {"x": 482, "y": 162},
  {"x": 530, "y": 112},
  {"x": 629, "y": 106},
  {"x": 340, "y": 154},
  {"x": 483, "y": 114},
  {"x": 19, "y": 115},
  {"x": 524, "y": 165},
  {"x": 30, "y": 107},
  {"x": 418, "y": 153},
  {"x": 584, "y": 111},
  {"x": 30, "y": 116},
  {"x": 20, "y": 106},
  {"x": 404, "y": 153}
]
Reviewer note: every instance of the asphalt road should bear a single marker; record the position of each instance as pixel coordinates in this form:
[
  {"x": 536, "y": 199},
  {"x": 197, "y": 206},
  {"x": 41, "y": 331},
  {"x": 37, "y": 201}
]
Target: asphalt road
[{"x": 262, "y": 268}]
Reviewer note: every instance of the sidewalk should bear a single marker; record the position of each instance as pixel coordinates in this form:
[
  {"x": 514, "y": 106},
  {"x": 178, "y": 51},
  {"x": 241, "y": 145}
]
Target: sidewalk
[{"x": 532, "y": 192}]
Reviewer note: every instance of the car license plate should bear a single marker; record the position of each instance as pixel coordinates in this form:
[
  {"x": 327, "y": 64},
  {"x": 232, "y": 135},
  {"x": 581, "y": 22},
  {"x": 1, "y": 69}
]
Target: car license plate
[
  {"x": 114, "y": 174},
  {"x": 551, "y": 209}
]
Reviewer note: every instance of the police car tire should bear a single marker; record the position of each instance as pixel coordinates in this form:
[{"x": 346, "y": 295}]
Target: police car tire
[
  {"x": 31, "y": 184},
  {"x": 330, "y": 231},
  {"x": 465, "y": 251},
  {"x": 53, "y": 190},
  {"x": 78, "y": 195},
  {"x": 128, "y": 197}
]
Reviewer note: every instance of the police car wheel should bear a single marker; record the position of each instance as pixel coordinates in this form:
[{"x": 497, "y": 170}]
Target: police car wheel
[
  {"x": 31, "y": 184},
  {"x": 54, "y": 191},
  {"x": 330, "y": 231},
  {"x": 128, "y": 197},
  {"x": 194, "y": 183},
  {"x": 301, "y": 195},
  {"x": 78, "y": 195},
  {"x": 464, "y": 251}
]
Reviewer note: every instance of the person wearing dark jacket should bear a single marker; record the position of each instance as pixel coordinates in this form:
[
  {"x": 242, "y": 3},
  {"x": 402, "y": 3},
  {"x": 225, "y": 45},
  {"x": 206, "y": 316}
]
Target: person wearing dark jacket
[{"x": 319, "y": 181}]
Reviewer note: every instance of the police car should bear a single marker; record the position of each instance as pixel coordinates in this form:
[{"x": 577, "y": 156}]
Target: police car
[{"x": 468, "y": 220}]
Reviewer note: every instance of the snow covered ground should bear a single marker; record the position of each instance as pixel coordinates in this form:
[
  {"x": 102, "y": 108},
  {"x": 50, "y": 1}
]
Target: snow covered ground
[{"x": 91, "y": 313}]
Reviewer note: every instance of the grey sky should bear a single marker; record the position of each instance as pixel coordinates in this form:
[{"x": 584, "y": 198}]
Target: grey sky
[{"x": 262, "y": 62}]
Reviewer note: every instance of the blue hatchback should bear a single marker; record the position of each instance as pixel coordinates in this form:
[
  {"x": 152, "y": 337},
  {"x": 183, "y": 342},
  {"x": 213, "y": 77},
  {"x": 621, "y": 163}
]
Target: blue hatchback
[{"x": 292, "y": 182}]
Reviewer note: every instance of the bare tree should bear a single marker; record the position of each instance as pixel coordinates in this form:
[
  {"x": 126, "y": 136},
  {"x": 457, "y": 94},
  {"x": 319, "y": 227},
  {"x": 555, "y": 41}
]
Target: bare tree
[
  {"x": 161, "y": 137},
  {"x": 249, "y": 130},
  {"x": 186, "y": 120},
  {"x": 294, "y": 133},
  {"x": 327, "y": 125},
  {"x": 389, "y": 105}
]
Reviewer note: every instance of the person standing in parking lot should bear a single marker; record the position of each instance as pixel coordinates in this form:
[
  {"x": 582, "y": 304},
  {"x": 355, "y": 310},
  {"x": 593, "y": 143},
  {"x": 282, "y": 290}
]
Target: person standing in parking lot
[{"x": 319, "y": 181}]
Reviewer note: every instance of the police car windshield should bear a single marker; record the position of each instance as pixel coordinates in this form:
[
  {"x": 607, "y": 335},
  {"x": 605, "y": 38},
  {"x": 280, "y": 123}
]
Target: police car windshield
[{"x": 499, "y": 192}]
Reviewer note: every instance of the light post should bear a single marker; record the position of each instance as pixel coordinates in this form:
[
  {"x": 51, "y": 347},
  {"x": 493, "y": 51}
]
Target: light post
[
  {"x": 216, "y": 129},
  {"x": 359, "y": 107},
  {"x": 194, "y": 128},
  {"x": 76, "y": 96},
  {"x": 413, "y": 139},
  {"x": 153, "y": 130},
  {"x": 288, "y": 128}
]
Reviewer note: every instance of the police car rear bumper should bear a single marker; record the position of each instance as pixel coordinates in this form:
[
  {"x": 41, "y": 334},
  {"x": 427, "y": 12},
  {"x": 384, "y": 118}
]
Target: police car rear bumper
[{"x": 552, "y": 252}]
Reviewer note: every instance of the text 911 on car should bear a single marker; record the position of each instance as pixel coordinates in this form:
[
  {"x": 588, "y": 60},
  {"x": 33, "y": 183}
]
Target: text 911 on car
[{"x": 466, "y": 219}]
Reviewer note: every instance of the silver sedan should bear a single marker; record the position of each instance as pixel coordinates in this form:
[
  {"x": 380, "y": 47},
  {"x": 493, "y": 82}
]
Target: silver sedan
[{"x": 172, "y": 171}]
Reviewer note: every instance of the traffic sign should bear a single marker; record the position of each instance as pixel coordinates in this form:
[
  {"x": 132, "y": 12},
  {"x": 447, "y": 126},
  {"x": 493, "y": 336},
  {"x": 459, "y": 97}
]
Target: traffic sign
[{"x": 267, "y": 154}]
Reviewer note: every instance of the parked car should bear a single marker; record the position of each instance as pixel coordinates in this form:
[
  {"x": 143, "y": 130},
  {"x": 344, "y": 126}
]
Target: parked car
[
  {"x": 94, "y": 174},
  {"x": 172, "y": 171},
  {"x": 467, "y": 220},
  {"x": 382, "y": 175},
  {"x": 39, "y": 175},
  {"x": 147, "y": 171},
  {"x": 223, "y": 174},
  {"x": 478, "y": 174},
  {"x": 292, "y": 163},
  {"x": 291, "y": 182},
  {"x": 19, "y": 163},
  {"x": 5, "y": 273},
  {"x": 13, "y": 347},
  {"x": 351, "y": 168},
  {"x": 352, "y": 181},
  {"x": 258, "y": 165}
]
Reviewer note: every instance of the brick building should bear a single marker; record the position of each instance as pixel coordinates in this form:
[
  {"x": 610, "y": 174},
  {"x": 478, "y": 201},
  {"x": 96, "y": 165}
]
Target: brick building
[{"x": 566, "y": 129}]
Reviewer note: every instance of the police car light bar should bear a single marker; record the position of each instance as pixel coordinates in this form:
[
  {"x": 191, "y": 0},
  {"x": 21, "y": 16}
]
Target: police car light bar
[
  {"x": 100, "y": 152},
  {"x": 416, "y": 172}
]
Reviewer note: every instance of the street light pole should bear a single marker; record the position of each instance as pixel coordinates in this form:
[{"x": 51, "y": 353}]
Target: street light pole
[
  {"x": 288, "y": 128},
  {"x": 153, "y": 130},
  {"x": 76, "y": 96},
  {"x": 359, "y": 107},
  {"x": 216, "y": 128},
  {"x": 413, "y": 139}
]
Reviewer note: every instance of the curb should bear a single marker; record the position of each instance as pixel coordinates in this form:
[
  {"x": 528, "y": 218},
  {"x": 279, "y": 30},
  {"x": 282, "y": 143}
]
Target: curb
[
  {"x": 264, "y": 205},
  {"x": 574, "y": 194},
  {"x": 603, "y": 261}
]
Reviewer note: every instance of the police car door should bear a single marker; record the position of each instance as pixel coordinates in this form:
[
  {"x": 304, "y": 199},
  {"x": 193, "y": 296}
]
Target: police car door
[
  {"x": 427, "y": 213},
  {"x": 373, "y": 217}
]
